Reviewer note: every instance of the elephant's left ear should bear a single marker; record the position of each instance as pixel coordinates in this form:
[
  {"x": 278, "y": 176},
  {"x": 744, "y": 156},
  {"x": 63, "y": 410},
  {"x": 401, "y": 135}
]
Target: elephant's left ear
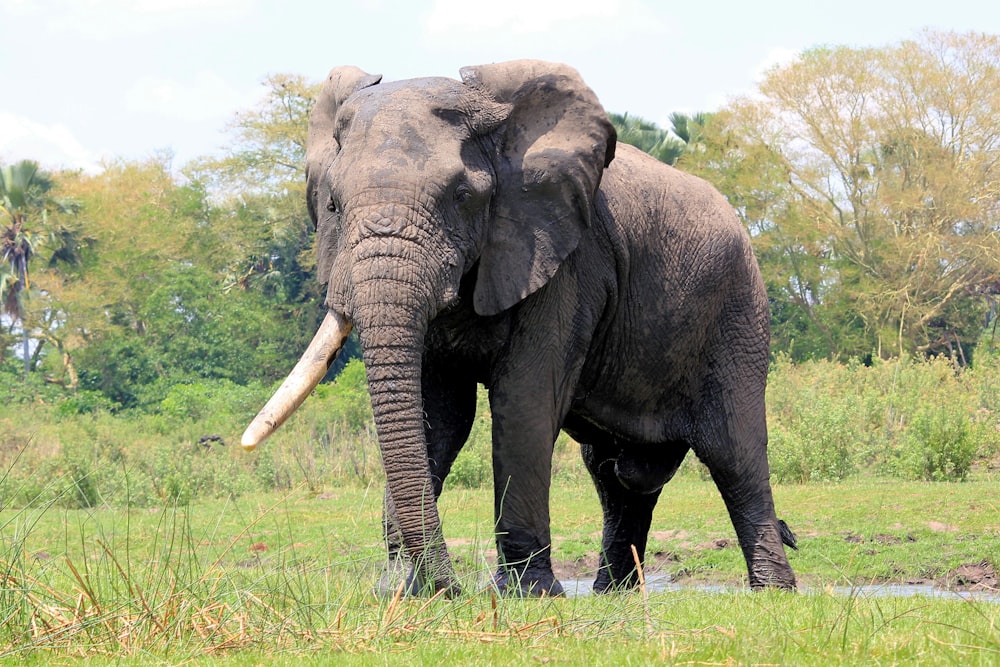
[
  {"x": 555, "y": 145},
  {"x": 341, "y": 83}
]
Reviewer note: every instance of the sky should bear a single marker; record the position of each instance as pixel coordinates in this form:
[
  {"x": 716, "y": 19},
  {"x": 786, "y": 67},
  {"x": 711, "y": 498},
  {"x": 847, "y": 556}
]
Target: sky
[{"x": 86, "y": 82}]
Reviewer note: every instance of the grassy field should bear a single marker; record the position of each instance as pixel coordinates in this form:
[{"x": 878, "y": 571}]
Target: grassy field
[{"x": 286, "y": 578}]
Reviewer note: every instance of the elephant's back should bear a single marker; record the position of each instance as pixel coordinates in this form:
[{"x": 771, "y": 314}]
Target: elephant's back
[
  {"x": 676, "y": 232},
  {"x": 688, "y": 286}
]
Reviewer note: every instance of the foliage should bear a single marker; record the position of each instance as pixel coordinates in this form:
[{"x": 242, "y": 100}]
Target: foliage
[
  {"x": 140, "y": 274},
  {"x": 22, "y": 195},
  {"x": 912, "y": 419},
  {"x": 349, "y": 394},
  {"x": 473, "y": 467},
  {"x": 908, "y": 419},
  {"x": 647, "y": 137},
  {"x": 867, "y": 178},
  {"x": 665, "y": 145}
]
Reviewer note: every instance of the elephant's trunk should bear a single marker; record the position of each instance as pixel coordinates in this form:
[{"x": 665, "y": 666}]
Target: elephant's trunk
[
  {"x": 392, "y": 332},
  {"x": 309, "y": 370}
]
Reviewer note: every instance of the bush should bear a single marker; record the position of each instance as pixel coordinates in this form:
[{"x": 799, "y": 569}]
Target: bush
[
  {"x": 347, "y": 399},
  {"x": 939, "y": 446},
  {"x": 817, "y": 430},
  {"x": 906, "y": 419},
  {"x": 85, "y": 402},
  {"x": 914, "y": 419}
]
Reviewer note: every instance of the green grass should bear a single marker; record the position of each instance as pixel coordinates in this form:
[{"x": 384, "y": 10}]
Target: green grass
[{"x": 286, "y": 578}]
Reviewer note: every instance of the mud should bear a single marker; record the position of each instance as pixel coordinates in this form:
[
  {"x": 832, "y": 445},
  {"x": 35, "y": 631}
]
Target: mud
[{"x": 978, "y": 580}]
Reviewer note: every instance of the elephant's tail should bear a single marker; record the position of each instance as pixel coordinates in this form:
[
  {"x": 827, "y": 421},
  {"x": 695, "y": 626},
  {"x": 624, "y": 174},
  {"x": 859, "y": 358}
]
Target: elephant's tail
[{"x": 787, "y": 536}]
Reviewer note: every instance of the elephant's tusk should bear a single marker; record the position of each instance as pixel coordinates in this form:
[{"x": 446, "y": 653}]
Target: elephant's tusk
[{"x": 309, "y": 370}]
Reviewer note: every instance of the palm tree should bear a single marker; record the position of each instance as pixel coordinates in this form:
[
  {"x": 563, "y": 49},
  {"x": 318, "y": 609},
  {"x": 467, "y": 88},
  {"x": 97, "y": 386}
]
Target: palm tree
[
  {"x": 22, "y": 190},
  {"x": 689, "y": 129},
  {"x": 667, "y": 146},
  {"x": 647, "y": 136}
]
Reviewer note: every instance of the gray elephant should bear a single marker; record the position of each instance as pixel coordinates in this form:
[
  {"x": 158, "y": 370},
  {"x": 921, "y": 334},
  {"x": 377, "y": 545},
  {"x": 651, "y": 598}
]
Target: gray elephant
[{"x": 491, "y": 230}]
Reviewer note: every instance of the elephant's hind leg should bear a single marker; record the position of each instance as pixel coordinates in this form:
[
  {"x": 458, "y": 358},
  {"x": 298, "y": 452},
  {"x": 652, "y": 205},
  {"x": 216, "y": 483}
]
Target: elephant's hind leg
[
  {"x": 628, "y": 484},
  {"x": 740, "y": 470}
]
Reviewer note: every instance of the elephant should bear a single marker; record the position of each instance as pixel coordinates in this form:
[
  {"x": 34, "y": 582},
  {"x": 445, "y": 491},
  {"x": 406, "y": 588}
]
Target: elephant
[{"x": 491, "y": 230}]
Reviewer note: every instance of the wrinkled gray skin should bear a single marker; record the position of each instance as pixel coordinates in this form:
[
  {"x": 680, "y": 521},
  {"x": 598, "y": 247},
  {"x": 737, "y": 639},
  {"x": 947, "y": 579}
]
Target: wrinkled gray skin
[{"x": 491, "y": 231}]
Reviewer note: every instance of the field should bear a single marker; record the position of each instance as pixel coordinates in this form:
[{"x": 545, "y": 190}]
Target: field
[
  {"x": 145, "y": 538},
  {"x": 286, "y": 578}
]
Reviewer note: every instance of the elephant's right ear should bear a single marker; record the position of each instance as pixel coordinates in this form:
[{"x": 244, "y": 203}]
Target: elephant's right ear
[
  {"x": 341, "y": 83},
  {"x": 555, "y": 143}
]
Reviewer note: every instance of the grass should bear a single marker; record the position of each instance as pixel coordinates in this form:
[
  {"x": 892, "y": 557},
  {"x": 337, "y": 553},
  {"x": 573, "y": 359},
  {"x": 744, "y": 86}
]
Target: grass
[{"x": 286, "y": 578}]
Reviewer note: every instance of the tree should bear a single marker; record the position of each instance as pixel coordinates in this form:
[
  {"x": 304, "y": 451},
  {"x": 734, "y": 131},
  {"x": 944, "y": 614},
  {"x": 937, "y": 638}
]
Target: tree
[
  {"x": 22, "y": 192},
  {"x": 260, "y": 184},
  {"x": 754, "y": 179},
  {"x": 885, "y": 163},
  {"x": 648, "y": 137},
  {"x": 146, "y": 301}
]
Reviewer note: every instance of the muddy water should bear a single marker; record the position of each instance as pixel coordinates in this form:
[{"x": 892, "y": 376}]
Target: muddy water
[{"x": 660, "y": 582}]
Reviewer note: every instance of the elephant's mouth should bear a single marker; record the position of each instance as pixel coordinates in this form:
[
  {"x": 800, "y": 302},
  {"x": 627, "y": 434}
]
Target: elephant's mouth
[{"x": 310, "y": 369}]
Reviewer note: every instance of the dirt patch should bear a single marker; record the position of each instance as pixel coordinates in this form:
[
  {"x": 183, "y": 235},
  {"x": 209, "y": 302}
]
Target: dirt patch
[
  {"x": 586, "y": 568},
  {"x": 878, "y": 538},
  {"x": 981, "y": 576},
  {"x": 581, "y": 568},
  {"x": 939, "y": 527},
  {"x": 716, "y": 545}
]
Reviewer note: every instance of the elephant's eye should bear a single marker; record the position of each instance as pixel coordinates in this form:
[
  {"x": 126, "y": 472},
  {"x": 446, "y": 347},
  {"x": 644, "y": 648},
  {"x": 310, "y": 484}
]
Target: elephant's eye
[
  {"x": 463, "y": 193},
  {"x": 332, "y": 206}
]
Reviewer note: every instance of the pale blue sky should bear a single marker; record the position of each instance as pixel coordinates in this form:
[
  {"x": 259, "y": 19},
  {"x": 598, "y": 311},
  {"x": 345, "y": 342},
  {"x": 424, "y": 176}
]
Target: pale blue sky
[{"x": 85, "y": 80}]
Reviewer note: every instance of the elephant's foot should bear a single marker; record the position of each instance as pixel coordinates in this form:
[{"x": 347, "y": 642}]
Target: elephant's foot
[
  {"x": 616, "y": 577},
  {"x": 399, "y": 576},
  {"x": 767, "y": 564},
  {"x": 396, "y": 572},
  {"x": 525, "y": 568},
  {"x": 531, "y": 582}
]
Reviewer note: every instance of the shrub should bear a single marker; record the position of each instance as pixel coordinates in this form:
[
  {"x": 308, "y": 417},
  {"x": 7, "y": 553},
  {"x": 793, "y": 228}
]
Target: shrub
[
  {"x": 85, "y": 402},
  {"x": 347, "y": 400},
  {"x": 816, "y": 427},
  {"x": 908, "y": 419},
  {"x": 473, "y": 468},
  {"x": 938, "y": 446}
]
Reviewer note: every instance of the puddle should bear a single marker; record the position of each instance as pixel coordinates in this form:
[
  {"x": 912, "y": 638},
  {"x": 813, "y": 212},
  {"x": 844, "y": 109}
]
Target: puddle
[{"x": 659, "y": 583}]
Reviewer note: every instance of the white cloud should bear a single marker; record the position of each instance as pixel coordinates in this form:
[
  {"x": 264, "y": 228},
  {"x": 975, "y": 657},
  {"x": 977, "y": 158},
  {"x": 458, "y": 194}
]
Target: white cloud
[
  {"x": 525, "y": 22},
  {"x": 53, "y": 146},
  {"x": 776, "y": 57},
  {"x": 205, "y": 97},
  {"x": 104, "y": 19}
]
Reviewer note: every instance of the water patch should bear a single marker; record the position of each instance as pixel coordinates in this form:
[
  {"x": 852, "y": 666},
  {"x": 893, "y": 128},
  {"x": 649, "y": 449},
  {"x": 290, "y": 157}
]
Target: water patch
[{"x": 660, "y": 583}]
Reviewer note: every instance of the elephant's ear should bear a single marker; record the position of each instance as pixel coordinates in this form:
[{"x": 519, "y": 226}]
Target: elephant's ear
[
  {"x": 341, "y": 83},
  {"x": 554, "y": 146}
]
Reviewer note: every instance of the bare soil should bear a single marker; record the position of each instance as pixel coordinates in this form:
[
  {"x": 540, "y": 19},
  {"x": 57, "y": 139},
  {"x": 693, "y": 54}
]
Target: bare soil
[{"x": 978, "y": 576}]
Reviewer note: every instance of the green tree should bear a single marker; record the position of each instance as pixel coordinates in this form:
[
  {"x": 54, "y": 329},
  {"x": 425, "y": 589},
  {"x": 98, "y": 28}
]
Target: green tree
[
  {"x": 665, "y": 145},
  {"x": 648, "y": 137},
  {"x": 22, "y": 193},
  {"x": 260, "y": 183},
  {"x": 878, "y": 214},
  {"x": 146, "y": 302}
]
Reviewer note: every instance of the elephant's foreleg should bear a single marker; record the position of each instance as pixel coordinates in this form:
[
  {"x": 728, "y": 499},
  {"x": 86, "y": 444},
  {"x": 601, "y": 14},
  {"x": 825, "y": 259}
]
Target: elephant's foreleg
[
  {"x": 449, "y": 411},
  {"x": 521, "y": 505},
  {"x": 524, "y": 432}
]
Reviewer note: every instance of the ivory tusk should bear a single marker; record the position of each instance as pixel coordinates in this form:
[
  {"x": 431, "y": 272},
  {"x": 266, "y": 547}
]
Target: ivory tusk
[{"x": 310, "y": 369}]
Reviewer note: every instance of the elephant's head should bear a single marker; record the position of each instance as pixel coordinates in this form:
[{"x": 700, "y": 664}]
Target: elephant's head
[{"x": 412, "y": 186}]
